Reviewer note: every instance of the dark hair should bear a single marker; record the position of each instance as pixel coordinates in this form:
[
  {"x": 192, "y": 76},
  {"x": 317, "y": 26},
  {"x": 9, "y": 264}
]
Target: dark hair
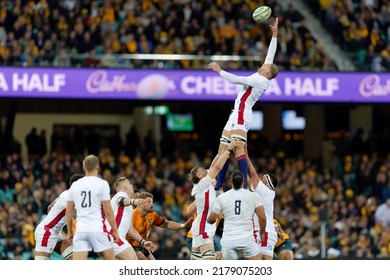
[
  {"x": 192, "y": 176},
  {"x": 237, "y": 179},
  {"x": 74, "y": 178}
]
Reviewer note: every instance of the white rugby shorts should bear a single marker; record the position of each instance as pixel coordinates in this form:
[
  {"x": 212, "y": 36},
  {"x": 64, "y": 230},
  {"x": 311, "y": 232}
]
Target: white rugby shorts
[{"x": 92, "y": 241}]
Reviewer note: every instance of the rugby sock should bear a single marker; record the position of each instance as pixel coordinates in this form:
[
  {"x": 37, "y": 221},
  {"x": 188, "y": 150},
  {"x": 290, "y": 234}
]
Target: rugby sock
[
  {"x": 221, "y": 175},
  {"x": 243, "y": 167}
]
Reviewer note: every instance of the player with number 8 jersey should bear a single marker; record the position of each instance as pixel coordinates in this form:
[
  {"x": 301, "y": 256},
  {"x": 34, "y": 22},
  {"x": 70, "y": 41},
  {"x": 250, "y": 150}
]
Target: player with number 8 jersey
[{"x": 238, "y": 207}]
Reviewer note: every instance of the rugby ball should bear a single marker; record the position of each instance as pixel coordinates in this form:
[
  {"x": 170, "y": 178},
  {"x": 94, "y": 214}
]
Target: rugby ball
[{"x": 261, "y": 13}]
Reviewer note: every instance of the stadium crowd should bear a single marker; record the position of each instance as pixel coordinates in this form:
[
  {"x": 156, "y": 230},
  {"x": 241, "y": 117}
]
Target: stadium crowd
[
  {"x": 351, "y": 196},
  {"x": 362, "y": 28},
  {"x": 77, "y": 33}
]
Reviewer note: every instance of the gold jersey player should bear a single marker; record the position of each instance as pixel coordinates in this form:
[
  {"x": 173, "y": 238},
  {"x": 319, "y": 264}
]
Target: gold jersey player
[
  {"x": 144, "y": 217},
  {"x": 283, "y": 248},
  {"x": 241, "y": 117}
]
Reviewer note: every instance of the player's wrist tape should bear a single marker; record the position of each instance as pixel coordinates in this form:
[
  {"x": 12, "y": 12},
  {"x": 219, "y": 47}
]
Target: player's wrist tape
[
  {"x": 182, "y": 225},
  {"x": 132, "y": 201},
  {"x": 142, "y": 241}
]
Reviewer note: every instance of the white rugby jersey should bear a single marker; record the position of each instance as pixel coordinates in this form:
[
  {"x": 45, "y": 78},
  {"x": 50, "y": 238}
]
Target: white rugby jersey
[
  {"x": 123, "y": 215},
  {"x": 205, "y": 195},
  {"x": 267, "y": 196},
  {"x": 55, "y": 219},
  {"x": 238, "y": 208},
  {"x": 87, "y": 194},
  {"x": 253, "y": 85}
]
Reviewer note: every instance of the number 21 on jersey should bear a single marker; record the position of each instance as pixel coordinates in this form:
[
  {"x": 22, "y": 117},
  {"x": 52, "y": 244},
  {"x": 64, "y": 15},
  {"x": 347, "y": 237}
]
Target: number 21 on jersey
[{"x": 86, "y": 199}]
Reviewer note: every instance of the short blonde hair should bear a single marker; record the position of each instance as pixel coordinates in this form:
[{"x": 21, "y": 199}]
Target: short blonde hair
[
  {"x": 118, "y": 181},
  {"x": 273, "y": 71},
  {"x": 90, "y": 163}
]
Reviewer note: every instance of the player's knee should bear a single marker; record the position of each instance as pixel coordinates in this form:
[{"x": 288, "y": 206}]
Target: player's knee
[
  {"x": 224, "y": 140},
  {"x": 209, "y": 255},
  {"x": 239, "y": 137}
]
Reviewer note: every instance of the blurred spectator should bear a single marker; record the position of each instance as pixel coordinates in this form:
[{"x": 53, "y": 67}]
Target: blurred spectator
[
  {"x": 62, "y": 59},
  {"x": 328, "y": 152},
  {"x": 15, "y": 147},
  {"x": 356, "y": 145},
  {"x": 32, "y": 143},
  {"x": 42, "y": 143},
  {"x": 293, "y": 14}
]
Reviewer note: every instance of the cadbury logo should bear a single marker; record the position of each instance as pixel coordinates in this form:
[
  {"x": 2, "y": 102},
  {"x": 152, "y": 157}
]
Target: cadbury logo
[
  {"x": 99, "y": 81},
  {"x": 371, "y": 86}
]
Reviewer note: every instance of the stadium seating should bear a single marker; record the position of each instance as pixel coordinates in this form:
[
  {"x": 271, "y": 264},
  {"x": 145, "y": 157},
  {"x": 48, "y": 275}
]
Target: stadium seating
[
  {"x": 361, "y": 28},
  {"x": 100, "y": 33}
]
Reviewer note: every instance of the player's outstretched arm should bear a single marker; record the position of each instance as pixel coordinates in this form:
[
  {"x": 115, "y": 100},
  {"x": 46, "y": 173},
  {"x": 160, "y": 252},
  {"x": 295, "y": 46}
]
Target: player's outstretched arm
[
  {"x": 273, "y": 44},
  {"x": 214, "y": 170},
  {"x": 177, "y": 226},
  {"x": 274, "y": 28},
  {"x": 252, "y": 173},
  {"x": 229, "y": 76}
]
